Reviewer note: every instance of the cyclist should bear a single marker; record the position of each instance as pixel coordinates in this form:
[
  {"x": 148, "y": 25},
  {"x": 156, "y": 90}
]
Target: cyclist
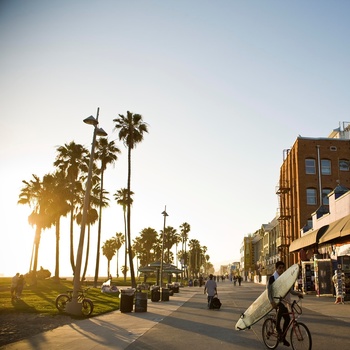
[{"x": 282, "y": 306}]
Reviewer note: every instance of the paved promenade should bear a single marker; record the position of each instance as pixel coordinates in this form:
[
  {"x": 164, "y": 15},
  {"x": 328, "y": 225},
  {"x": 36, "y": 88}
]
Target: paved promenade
[{"x": 185, "y": 321}]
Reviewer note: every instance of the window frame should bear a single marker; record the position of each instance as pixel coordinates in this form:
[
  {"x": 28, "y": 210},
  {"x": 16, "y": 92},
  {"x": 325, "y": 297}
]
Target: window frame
[
  {"x": 310, "y": 170},
  {"x": 345, "y": 162},
  {"x": 326, "y": 169},
  {"x": 309, "y": 196}
]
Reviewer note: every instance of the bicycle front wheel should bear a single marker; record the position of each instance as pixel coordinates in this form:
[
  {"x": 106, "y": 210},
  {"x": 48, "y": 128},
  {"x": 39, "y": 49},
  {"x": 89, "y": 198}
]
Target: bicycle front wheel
[
  {"x": 87, "y": 307},
  {"x": 269, "y": 333},
  {"x": 300, "y": 337},
  {"x": 61, "y": 302}
]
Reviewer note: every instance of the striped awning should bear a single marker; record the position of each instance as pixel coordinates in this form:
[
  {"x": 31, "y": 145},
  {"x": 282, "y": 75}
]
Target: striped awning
[
  {"x": 335, "y": 229},
  {"x": 308, "y": 240}
]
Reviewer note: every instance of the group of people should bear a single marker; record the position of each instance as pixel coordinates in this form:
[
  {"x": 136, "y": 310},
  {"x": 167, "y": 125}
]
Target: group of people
[{"x": 17, "y": 286}]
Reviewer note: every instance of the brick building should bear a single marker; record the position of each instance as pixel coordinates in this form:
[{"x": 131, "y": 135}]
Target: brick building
[{"x": 311, "y": 170}]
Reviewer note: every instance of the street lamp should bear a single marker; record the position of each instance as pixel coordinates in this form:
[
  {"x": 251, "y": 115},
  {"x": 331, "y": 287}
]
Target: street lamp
[
  {"x": 73, "y": 307},
  {"x": 164, "y": 213}
]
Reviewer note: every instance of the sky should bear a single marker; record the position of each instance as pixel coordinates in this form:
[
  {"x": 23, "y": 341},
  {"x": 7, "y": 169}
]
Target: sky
[{"x": 224, "y": 86}]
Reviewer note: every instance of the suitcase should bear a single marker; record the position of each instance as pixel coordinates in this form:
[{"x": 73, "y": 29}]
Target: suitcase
[{"x": 215, "y": 303}]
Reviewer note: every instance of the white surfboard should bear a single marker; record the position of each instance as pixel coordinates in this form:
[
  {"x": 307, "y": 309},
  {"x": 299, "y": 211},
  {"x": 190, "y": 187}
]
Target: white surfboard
[{"x": 262, "y": 306}]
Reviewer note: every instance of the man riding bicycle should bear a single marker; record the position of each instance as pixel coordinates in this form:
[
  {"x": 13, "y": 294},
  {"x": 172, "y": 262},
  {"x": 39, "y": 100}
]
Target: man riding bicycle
[{"x": 282, "y": 306}]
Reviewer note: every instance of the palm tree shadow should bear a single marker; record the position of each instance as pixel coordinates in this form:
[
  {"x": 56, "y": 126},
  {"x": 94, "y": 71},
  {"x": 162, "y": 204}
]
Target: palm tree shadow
[{"x": 21, "y": 305}]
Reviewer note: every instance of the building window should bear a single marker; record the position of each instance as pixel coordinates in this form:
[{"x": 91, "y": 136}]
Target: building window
[
  {"x": 325, "y": 193},
  {"x": 310, "y": 166},
  {"x": 326, "y": 167},
  {"x": 311, "y": 196},
  {"x": 344, "y": 165}
]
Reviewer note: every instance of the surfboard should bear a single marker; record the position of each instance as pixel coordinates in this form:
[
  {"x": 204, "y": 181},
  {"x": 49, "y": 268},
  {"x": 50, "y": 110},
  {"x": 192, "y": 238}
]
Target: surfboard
[{"x": 262, "y": 306}]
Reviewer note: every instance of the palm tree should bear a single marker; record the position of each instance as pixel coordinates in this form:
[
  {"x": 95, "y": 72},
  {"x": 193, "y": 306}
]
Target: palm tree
[
  {"x": 56, "y": 205},
  {"x": 106, "y": 152},
  {"x": 185, "y": 228},
  {"x": 148, "y": 238},
  {"x": 108, "y": 250},
  {"x": 119, "y": 241},
  {"x": 73, "y": 160},
  {"x": 33, "y": 194},
  {"x": 122, "y": 198},
  {"x": 170, "y": 240},
  {"x": 131, "y": 129}
]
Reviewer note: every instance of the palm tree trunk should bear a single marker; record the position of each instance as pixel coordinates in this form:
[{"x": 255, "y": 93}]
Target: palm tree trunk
[
  {"x": 36, "y": 253},
  {"x": 117, "y": 263},
  {"x": 57, "y": 267},
  {"x": 132, "y": 273},
  {"x": 99, "y": 233},
  {"x": 87, "y": 253},
  {"x": 72, "y": 240},
  {"x": 126, "y": 243}
]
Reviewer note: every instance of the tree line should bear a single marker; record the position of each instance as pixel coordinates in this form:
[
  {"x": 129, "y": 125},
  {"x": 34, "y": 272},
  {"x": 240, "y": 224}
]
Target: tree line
[{"x": 61, "y": 192}]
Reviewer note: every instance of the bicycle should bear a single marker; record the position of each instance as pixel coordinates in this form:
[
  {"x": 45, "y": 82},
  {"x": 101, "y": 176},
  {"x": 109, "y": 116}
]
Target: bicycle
[
  {"x": 300, "y": 336},
  {"x": 87, "y": 304}
]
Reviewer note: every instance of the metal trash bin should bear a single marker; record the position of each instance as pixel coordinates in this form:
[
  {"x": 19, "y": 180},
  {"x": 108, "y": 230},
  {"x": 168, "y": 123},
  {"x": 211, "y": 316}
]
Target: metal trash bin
[
  {"x": 155, "y": 293},
  {"x": 141, "y": 302},
  {"x": 176, "y": 287},
  {"x": 165, "y": 294},
  {"x": 127, "y": 300}
]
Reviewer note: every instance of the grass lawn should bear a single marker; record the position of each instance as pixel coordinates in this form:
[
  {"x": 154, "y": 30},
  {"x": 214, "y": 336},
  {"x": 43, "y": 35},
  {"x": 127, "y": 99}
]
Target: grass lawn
[{"x": 41, "y": 298}]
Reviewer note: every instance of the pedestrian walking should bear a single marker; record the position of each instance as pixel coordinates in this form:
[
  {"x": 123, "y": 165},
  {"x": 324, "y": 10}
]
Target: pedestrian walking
[
  {"x": 14, "y": 285},
  {"x": 210, "y": 288},
  {"x": 19, "y": 287}
]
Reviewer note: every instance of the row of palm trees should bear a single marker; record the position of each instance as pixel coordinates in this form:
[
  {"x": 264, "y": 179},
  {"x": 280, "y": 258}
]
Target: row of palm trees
[
  {"x": 147, "y": 248},
  {"x": 61, "y": 192}
]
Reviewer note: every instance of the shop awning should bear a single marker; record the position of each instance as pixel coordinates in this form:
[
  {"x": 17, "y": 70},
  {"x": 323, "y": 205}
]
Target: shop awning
[
  {"x": 334, "y": 230},
  {"x": 346, "y": 229},
  {"x": 307, "y": 240}
]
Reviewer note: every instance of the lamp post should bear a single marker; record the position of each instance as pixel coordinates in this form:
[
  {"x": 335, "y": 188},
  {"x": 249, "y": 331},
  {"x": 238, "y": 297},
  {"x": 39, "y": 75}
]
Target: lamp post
[
  {"x": 73, "y": 307},
  {"x": 164, "y": 213}
]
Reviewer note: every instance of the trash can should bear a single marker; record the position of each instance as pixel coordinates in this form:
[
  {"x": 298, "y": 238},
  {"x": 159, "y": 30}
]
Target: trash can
[
  {"x": 176, "y": 287},
  {"x": 155, "y": 293},
  {"x": 165, "y": 294},
  {"x": 127, "y": 300},
  {"x": 140, "y": 302}
]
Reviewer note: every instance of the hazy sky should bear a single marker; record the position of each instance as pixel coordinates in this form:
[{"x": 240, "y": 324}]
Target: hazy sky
[{"x": 225, "y": 87}]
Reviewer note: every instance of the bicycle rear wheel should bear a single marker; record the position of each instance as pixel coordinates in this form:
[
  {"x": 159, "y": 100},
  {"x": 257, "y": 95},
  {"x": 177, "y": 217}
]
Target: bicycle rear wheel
[
  {"x": 300, "y": 337},
  {"x": 269, "y": 333},
  {"x": 87, "y": 307},
  {"x": 61, "y": 302}
]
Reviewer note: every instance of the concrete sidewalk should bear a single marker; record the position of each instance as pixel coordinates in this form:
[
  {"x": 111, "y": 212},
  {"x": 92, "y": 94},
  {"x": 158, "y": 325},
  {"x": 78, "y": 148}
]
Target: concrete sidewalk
[
  {"x": 118, "y": 330},
  {"x": 114, "y": 330}
]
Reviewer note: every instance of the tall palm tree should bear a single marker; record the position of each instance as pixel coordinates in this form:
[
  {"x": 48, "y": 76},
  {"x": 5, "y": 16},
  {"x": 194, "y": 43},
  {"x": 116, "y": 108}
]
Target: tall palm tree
[
  {"x": 119, "y": 241},
  {"x": 195, "y": 251},
  {"x": 56, "y": 205},
  {"x": 185, "y": 228},
  {"x": 106, "y": 153},
  {"x": 33, "y": 194},
  {"x": 73, "y": 160},
  {"x": 131, "y": 130},
  {"x": 108, "y": 250},
  {"x": 122, "y": 197}
]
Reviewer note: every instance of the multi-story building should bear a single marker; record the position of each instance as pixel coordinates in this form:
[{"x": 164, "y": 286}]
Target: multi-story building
[
  {"x": 247, "y": 258},
  {"x": 311, "y": 170}
]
